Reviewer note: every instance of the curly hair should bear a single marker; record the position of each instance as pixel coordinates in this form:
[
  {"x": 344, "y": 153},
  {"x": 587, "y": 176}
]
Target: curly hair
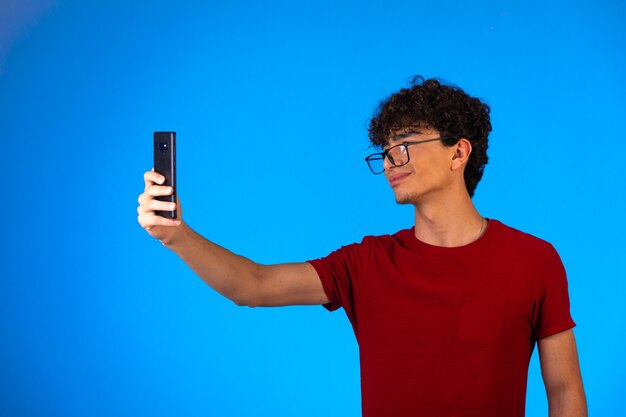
[{"x": 446, "y": 108}]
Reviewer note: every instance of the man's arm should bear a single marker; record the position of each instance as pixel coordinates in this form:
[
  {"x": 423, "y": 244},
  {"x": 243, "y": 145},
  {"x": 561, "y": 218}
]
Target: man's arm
[
  {"x": 244, "y": 281},
  {"x": 561, "y": 375}
]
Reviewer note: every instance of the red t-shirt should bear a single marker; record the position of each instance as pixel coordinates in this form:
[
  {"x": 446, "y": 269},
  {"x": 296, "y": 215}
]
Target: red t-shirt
[{"x": 447, "y": 331}]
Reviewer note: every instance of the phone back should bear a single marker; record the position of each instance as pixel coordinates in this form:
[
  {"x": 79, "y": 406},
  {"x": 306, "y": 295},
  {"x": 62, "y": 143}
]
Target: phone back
[{"x": 165, "y": 164}]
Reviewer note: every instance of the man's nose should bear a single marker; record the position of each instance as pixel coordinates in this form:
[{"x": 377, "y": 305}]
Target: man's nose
[{"x": 387, "y": 163}]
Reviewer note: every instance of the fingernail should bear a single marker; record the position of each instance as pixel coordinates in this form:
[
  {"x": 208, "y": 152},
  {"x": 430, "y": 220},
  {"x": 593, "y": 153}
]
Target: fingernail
[{"x": 161, "y": 180}]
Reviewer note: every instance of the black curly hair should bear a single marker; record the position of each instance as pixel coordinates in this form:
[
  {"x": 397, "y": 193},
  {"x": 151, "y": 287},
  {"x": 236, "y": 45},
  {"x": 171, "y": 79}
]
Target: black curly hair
[{"x": 431, "y": 103}]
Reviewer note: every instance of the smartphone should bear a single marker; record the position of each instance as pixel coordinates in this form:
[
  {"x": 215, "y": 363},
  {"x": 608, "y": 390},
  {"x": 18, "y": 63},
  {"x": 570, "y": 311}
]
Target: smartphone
[{"x": 165, "y": 164}]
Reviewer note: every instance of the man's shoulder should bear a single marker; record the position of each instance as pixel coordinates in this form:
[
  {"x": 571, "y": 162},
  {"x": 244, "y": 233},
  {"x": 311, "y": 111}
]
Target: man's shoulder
[
  {"x": 500, "y": 235},
  {"x": 511, "y": 235},
  {"x": 395, "y": 237},
  {"x": 382, "y": 240}
]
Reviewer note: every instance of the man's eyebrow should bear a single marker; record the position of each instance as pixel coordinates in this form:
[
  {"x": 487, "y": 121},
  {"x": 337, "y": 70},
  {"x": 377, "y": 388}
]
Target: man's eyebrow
[
  {"x": 404, "y": 135},
  {"x": 399, "y": 136}
]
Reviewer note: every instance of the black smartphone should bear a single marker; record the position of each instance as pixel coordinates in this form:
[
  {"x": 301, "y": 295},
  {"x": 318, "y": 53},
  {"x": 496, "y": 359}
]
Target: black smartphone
[{"x": 165, "y": 164}]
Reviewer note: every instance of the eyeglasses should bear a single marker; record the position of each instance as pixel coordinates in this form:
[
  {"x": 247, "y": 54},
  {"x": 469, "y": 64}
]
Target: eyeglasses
[{"x": 398, "y": 155}]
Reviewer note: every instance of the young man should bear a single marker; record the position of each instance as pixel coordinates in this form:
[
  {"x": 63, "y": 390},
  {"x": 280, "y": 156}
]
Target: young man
[{"x": 446, "y": 313}]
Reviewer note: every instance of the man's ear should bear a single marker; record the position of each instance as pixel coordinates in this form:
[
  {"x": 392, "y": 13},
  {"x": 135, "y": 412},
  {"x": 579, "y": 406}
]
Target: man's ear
[{"x": 462, "y": 150}]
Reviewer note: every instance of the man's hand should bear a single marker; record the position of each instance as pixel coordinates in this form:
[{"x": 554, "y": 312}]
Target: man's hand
[
  {"x": 561, "y": 375},
  {"x": 158, "y": 226}
]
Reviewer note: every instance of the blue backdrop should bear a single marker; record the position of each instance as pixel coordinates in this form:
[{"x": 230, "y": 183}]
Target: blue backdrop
[{"x": 271, "y": 101}]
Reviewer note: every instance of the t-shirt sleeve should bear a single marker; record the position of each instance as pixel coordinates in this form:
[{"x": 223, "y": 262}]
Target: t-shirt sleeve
[
  {"x": 551, "y": 306},
  {"x": 341, "y": 273}
]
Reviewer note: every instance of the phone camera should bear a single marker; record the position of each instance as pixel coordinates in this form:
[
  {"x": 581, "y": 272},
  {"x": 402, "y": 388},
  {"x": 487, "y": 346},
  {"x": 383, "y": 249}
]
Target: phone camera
[{"x": 163, "y": 146}]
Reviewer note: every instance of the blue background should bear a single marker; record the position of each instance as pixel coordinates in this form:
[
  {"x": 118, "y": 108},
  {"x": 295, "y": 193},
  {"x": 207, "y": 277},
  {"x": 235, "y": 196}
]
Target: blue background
[{"x": 271, "y": 102}]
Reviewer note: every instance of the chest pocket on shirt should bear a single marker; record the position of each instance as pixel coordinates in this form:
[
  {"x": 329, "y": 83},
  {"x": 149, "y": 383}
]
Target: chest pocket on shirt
[{"x": 480, "y": 321}]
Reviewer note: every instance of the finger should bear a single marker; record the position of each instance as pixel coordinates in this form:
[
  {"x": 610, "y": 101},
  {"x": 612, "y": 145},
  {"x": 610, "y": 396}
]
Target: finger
[
  {"x": 156, "y": 190},
  {"x": 157, "y": 205},
  {"x": 142, "y": 198},
  {"x": 147, "y": 204},
  {"x": 144, "y": 209},
  {"x": 152, "y": 177},
  {"x": 150, "y": 220}
]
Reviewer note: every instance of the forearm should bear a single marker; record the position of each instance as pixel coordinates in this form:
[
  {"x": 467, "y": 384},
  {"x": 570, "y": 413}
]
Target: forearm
[{"x": 231, "y": 275}]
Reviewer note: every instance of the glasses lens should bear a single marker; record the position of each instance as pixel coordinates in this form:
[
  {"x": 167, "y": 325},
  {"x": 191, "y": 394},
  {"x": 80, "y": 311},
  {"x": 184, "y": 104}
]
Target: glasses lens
[
  {"x": 376, "y": 163},
  {"x": 398, "y": 155}
]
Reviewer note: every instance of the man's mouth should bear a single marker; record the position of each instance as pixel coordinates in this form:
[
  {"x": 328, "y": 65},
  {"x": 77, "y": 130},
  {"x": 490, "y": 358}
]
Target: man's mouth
[{"x": 397, "y": 178}]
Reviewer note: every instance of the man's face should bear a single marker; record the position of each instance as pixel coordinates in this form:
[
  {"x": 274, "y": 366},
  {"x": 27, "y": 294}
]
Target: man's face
[{"x": 428, "y": 170}]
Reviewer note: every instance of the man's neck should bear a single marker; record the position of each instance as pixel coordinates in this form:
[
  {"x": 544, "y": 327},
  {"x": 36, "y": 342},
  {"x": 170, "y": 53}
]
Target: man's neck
[{"x": 449, "y": 222}]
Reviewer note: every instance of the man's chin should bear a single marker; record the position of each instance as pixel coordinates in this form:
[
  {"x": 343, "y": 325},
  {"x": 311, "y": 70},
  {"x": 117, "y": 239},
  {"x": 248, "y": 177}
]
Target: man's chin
[{"x": 406, "y": 198}]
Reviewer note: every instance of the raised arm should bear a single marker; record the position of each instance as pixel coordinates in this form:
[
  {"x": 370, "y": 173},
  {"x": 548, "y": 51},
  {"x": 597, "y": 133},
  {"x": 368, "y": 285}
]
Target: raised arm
[
  {"x": 561, "y": 375},
  {"x": 235, "y": 277}
]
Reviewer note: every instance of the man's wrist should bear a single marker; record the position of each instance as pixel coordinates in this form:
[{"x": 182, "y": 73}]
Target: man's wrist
[{"x": 175, "y": 238}]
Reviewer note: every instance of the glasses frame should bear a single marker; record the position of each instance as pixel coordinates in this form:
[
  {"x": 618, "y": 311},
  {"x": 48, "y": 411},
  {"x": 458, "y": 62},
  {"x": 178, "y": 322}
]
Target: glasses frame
[{"x": 386, "y": 154}]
